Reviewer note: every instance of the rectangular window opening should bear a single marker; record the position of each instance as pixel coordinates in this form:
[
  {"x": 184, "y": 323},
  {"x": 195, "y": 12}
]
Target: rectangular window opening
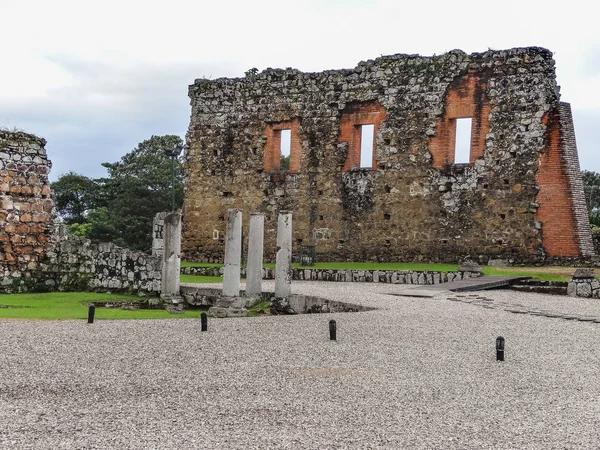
[
  {"x": 462, "y": 147},
  {"x": 366, "y": 145},
  {"x": 284, "y": 149}
]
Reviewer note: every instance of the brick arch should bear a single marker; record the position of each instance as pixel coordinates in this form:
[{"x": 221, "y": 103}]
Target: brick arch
[{"x": 465, "y": 98}]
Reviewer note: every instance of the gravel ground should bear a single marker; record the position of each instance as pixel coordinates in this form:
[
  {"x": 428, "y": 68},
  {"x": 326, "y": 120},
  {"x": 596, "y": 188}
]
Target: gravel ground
[{"x": 417, "y": 373}]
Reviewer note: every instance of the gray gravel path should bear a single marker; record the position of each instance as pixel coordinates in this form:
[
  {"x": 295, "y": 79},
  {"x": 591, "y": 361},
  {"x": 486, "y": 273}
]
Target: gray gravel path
[{"x": 417, "y": 373}]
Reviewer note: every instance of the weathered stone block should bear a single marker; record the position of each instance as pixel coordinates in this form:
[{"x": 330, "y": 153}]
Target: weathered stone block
[
  {"x": 582, "y": 273},
  {"x": 584, "y": 289}
]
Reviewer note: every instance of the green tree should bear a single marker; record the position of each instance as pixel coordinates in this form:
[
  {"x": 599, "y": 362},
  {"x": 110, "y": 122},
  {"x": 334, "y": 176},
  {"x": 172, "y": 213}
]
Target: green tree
[
  {"x": 591, "y": 188},
  {"x": 120, "y": 207},
  {"x": 284, "y": 162},
  {"x": 80, "y": 229},
  {"x": 102, "y": 227},
  {"x": 137, "y": 187},
  {"x": 74, "y": 195}
]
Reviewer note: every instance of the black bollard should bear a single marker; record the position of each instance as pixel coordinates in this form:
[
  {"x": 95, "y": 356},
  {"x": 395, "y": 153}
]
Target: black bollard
[
  {"x": 204, "y": 321},
  {"x": 91, "y": 313},
  {"x": 499, "y": 348},
  {"x": 332, "y": 330}
]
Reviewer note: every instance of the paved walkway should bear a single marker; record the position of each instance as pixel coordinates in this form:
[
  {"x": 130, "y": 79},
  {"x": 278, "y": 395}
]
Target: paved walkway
[
  {"x": 467, "y": 285},
  {"x": 413, "y": 373}
]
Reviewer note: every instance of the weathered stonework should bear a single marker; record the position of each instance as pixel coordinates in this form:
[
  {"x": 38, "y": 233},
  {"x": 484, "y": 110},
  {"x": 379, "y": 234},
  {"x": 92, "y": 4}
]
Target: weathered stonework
[
  {"x": 25, "y": 204},
  {"x": 158, "y": 229},
  {"x": 77, "y": 264},
  {"x": 359, "y": 276},
  {"x": 518, "y": 199},
  {"x": 37, "y": 254},
  {"x": 584, "y": 284}
]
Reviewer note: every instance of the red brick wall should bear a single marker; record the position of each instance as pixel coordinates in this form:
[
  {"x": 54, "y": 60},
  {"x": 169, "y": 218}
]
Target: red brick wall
[
  {"x": 272, "y": 152},
  {"x": 556, "y": 209},
  {"x": 354, "y": 116},
  {"x": 25, "y": 203},
  {"x": 465, "y": 98}
]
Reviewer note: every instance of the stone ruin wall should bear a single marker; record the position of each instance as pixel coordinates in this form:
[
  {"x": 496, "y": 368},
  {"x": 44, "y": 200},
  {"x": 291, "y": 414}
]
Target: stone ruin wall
[
  {"x": 519, "y": 198},
  {"x": 25, "y": 204},
  {"x": 37, "y": 254},
  {"x": 74, "y": 264}
]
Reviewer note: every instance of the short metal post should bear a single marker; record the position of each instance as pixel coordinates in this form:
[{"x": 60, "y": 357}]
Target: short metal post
[
  {"x": 91, "y": 313},
  {"x": 332, "y": 330},
  {"x": 204, "y": 321},
  {"x": 499, "y": 348}
]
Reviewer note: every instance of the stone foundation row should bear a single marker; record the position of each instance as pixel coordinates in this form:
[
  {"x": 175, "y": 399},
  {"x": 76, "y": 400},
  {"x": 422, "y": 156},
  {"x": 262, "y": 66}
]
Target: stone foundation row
[{"x": 364, "y": 276}]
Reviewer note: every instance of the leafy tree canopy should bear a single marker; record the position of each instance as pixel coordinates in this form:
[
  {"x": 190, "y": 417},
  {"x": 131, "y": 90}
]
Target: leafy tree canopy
[
  {"x": 120, "y": 208},
  {"x": 74, "y": 195},
  {"x": 591, "y": 188}
]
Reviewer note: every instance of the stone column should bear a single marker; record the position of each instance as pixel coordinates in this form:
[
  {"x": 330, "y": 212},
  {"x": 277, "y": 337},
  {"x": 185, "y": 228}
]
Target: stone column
[
  {"x": 158, "y": 225},
  {"x": 283, "y": 260},
  {"x": 233, "y": 254},
  {"x": 171, "y": 256},
  {"x": 255, "y": 255}
]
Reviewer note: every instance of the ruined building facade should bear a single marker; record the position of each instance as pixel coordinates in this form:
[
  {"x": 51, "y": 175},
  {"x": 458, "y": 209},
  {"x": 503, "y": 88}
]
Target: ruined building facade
[
  {"x": 38, "y": 255},
  {"x": 25, "y": 204},
  {"x": 404, "y": 193}
]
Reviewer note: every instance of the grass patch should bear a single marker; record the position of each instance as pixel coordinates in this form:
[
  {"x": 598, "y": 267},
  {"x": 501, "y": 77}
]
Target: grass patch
[
  {"x": 195, "y": 264},
  {"x": 261, "y": 306},
  {"x": 71, "y": 305},
  {"x": 199, "y": 279},
  {"x": 351, "y": 266},
  {"x": 534, "y": 272},
  {"x": 381, "y": 266}
]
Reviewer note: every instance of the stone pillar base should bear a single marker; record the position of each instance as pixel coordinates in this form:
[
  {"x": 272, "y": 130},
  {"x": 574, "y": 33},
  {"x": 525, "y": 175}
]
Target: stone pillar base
[
  {"x": 229, "y": 307},
  {"x": 221, "y": 312},
  {"x": 172, "y": 299}
]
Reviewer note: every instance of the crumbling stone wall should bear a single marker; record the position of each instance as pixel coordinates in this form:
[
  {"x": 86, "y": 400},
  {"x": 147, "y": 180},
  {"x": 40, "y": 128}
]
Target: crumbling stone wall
[
  {"x": 71, "y": 263},
  {"x": 74, "y": 263},
  {"x": 35, "y": 253},
  {"x": 25, "y": 203},
  {"x": 518, "y": 198}
]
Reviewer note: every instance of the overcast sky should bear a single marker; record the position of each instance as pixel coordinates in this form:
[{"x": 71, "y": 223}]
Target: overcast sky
[{"x": 95, "y": 78}]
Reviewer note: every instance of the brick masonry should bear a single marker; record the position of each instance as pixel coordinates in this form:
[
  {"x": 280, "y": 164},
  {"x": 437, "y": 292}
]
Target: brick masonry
[
  {"x": 26, "y": 206},
  {"x": 517, "y": 199},
  {"x": 36, "y": 254},
  {"x": 575, "y": 184}
]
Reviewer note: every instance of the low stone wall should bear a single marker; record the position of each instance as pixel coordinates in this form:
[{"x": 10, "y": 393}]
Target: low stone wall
[
  {"x": 366, "y": 276},
  {"x": 584, "y": 284},
  {"x": 75, "y": 264},
  {"x": 198, "y": 295}
]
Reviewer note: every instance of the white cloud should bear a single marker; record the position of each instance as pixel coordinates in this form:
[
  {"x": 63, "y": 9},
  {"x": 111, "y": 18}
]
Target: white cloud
[{"x": 87, "y": 74}]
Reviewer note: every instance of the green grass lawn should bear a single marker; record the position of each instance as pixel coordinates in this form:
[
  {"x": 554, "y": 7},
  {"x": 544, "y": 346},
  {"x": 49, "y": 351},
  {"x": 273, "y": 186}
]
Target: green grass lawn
[
  {"x": 194, "y": 264},
  {"x": 71, "y": 305},
  {"x": 533, "y": 272},
  {"x": 351, "y": 266},
  {"x": 184, "y": 278}
]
